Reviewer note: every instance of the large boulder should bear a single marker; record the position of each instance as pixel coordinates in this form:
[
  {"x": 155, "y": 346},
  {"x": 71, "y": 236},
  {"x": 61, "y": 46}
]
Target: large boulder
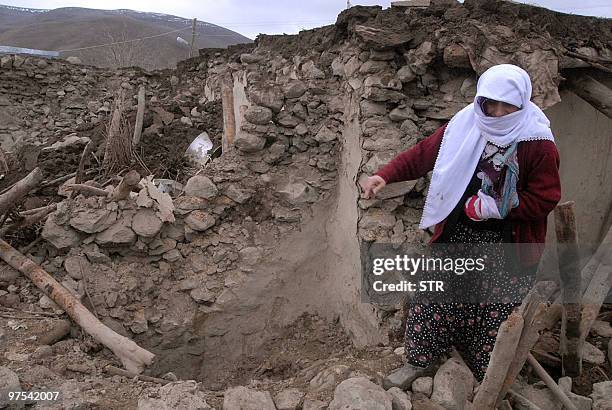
[
  {"x": 453, "y": 385},
  {"x": 243, "y": 398},
  {"x": 146, "y": 223},
  {"x": 247, "y": 142},
  {"x": 201, "y": 186},
  {"x": 258, "y": 115},
  {"x": 270, "y": 96},
  {"x": 9, "y": 381},
  {"x": 359, "y": 393}
]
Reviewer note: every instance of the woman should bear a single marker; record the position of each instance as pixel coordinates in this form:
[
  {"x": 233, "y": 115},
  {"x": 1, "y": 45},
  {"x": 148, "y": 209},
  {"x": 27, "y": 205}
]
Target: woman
[{"x": 495, "y": 179}]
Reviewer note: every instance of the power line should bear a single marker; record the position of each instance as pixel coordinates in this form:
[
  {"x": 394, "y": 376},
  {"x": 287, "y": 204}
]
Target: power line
[{"x": 125, "y": 41}]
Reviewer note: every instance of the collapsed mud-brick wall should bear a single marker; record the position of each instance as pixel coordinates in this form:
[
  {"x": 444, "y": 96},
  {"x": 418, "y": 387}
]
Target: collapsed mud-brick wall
[{"x": 274, "y": 226}]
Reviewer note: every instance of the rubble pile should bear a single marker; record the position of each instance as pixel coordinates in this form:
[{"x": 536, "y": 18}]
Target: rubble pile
[{"x": 242, "y": 272}]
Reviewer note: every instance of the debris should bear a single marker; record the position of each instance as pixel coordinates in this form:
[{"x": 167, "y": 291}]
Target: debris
[
  {"x": 360, "y": 393},
  {"x": 238, "y": 398}
]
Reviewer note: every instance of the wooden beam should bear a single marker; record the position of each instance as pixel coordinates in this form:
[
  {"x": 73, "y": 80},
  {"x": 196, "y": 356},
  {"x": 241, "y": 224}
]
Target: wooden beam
[
  {"x": 139, "y": 116},
  {"x": 592, "y": 91},
  {"x": 19, "y": 190}
]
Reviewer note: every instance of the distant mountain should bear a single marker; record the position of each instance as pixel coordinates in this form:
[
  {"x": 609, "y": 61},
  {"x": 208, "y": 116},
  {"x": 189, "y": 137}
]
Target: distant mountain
[{"x": 69, "y": 28}]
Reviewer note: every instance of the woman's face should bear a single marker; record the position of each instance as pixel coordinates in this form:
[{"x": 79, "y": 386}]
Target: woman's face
[{"x": 494, "y": 108}]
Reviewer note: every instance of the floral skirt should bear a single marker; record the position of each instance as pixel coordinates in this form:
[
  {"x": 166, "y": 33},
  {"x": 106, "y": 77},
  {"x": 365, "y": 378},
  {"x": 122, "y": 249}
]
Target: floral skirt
[{"x": 480, "y": 303}]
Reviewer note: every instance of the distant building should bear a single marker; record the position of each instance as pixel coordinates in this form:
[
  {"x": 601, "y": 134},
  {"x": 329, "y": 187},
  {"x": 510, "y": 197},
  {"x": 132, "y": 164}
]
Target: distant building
[{"x": 28, "y": 51}]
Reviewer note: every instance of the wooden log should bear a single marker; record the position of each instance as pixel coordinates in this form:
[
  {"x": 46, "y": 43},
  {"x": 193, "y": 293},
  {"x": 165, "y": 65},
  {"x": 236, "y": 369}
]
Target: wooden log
[
  {"x": 33, "y": 211},
  {"x": 554, "y": 387},
  {"x": 29, "y": 220},
  {"x": 139, "y": 116},
  {"x": 571, "y": 295},
  {"x": 133, "y": 357},
  {"x": 505, "y": 346},
  {"x": 592, "y": 91},
  {"x": 92, "y": 190},
  {"x": 127, "y": 184},
  {"x": 19, "y": 190},
  {"x": 533, "y": 309}
]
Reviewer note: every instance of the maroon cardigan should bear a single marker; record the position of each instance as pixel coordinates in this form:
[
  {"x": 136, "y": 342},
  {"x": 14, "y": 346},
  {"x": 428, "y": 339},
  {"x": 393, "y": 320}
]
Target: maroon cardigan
[{"x": 538, "y": 187}]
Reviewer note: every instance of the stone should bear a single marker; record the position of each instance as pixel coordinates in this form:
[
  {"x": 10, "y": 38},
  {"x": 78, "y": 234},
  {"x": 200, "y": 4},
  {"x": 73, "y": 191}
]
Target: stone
[
  {"x": 311, "y": 71},
  {"x": 325, "y": 135},
  {"x": 298, "y": 193},
  {"x": 237, "y": 194},
  {"x": 371, "y": 108},
  {"x": 250, "y": 255},
  {"x": 409, "y": 128},
  {"x": 539, "y": 395},
  {"x": 268, "y": 96},
  {"x": 456, "y": 56},
  {"x": 468, "y": 88},
  {"x": 377, "y": 161},
  {"x": 403, "y": 376},
  {"x": 288, "y": 399},
  {"x": 327, "y": 378},
  {"x": 295, "y": 89},
  {"x": 385, "y": 139},
  {"x": 146, "y": 223},
  {"x": 9, "y": 381},
  {"x": 6, "y": 62},
  {"x": 337, "y": 67},
  {"x": 602, "y": 395},
  {"x": 120, "y": 233},
  {"x": 383, "y": 95},
  {"x": 248, "y": 58},
  {"x": 423, "y": 385},
  {"x": 201, "y": 186},
  {"x": 76, "y": 265},
  {"x": 421, "y": 402},
  {"x": 383, "y": 81},
  {"x": 402, "y": 114},
  {"x": 174, "y": 396},
  {"x": 581, "y": 402},
  {"x": 161, "y": 246},
  {"x": 314, "y": 404},
  {"x": 601, "y": 328},
  {"x": 610, "y": 351},
  {"x": 74, "y": 60},
  {"x": 202, "y": 295},
  {"x": 453, "y": 385},
  {"x": 174, "y": 81},
  {"x": 243, "y": 398},
  {"x": 173, "y": 255},
  {"x": 400, "y": 400},
  {"x": 58, "y": 236},
  {"x": 92, "y": 220},
  {"x": 247, "y": 142},
  {"x": 373, "y": 67},
  {"x": 185, "y": 204},
  {"x": 139, "y": 322},
  {"x": 420, "y": 57},
  {"x": 200, "y": 220},
  {"x": 377, "y": 218},
  {"x": 382, "y": 55},
  {"x": 258, "y": 115},
  {"x": 360, "y": 393},
  {"x": 591, "y": 354},
  {"x": 186, "y": 121}
]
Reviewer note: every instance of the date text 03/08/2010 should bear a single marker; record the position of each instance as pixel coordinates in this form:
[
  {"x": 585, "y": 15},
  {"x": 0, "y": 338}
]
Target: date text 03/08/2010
[{"x": 407, "y": 286}]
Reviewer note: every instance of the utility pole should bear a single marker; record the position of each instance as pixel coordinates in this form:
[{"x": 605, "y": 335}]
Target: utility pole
[
  {"x": 193, "y": 37},
  {"x": 348, "y": 4}
]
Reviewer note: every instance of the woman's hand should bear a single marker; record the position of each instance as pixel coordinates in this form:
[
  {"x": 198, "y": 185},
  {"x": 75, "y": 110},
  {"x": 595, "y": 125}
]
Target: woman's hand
[
  {"x": 372, "y": 186},
  {"x": 481, "y": 207}
]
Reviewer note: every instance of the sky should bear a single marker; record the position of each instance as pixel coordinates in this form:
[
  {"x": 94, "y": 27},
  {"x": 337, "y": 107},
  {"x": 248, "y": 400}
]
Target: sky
[{"x": 251, "y": 17}]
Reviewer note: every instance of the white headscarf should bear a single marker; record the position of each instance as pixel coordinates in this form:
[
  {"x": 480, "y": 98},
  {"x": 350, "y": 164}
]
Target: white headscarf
[{"x": 469, "y": 130}]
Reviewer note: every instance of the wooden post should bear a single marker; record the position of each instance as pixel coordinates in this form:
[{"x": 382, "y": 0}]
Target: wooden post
[
  {"x": 139, "y": 116},
  {"x": 133, "y": 357},
  {"x": 229, "y": 117},
  {"x": 12, "y": 197},
  {"x": 569, "y": 272},
  {"x": 193, "y": 37}
]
